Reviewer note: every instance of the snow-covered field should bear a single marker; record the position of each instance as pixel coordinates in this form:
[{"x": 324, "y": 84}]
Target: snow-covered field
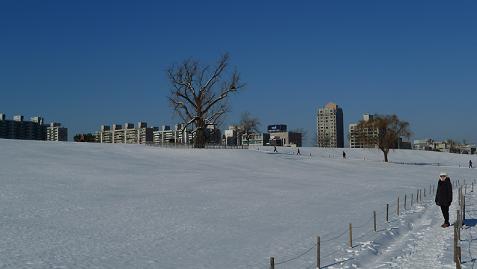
[{"x": 78, "y": 205}]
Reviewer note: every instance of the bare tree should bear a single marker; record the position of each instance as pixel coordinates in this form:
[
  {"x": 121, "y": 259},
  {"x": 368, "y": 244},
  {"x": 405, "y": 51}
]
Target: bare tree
[
  {"x": 199, "y": 94},
  {"x": 248, "y": 125},
  {"x": 390, "y": 130}
]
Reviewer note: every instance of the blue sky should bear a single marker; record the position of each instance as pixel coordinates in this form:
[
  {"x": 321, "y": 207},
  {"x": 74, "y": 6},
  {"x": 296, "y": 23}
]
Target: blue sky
[{"x": 87, "y": 63}]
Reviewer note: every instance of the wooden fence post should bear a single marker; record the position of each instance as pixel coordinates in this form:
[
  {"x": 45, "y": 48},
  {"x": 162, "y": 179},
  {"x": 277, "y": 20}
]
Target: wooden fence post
[
  {"x": 455, "y": 241},
  {"x": 405, "y": 201},
  {"x": 375, "y": 227},
  {"x": 412, "y": 198},
  {"x": 387, "y": 212},
  {"x": 458, "y": 224},
  {"x": 424, "y": 192},
  {"x": 272, "y": 263},
  {"x": 318, "y": 253},
  {"x": 351, "y": 235},
  {"x": 417, "y": 197},
  {"x": 459, "y": 258}
]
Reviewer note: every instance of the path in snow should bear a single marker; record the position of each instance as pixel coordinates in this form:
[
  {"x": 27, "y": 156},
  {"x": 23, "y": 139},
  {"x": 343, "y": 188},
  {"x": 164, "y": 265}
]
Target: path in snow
[
  {"x": 414, "y": 240},
  {"x": 427, "y": 245}
]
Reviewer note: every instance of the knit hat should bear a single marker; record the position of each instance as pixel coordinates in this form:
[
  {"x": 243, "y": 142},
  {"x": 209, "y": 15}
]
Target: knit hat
[{"x": 443, "y": 174}]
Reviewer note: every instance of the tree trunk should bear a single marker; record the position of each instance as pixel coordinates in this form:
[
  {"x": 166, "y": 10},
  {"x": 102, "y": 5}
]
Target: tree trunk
[
  {"x": 386, "y": 156},
  {"x": 199, "y": 141}
]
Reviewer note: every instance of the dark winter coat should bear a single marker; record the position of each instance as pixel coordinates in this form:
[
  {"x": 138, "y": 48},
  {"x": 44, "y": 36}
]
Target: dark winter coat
[{"x": 444, "y": 193}]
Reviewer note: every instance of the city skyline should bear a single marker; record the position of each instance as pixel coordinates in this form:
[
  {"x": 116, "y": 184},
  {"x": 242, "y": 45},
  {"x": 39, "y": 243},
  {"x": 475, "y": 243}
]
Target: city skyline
[{"x": 82, "y": 64}]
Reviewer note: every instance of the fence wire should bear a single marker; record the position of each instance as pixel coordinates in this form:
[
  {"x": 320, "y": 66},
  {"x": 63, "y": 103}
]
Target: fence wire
[{"x": 297, "y": 257}]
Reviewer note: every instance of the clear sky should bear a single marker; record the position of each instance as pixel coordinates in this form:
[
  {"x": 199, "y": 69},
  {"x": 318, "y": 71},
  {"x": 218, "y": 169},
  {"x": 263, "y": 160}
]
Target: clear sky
[{"x": 87, "y": 63}]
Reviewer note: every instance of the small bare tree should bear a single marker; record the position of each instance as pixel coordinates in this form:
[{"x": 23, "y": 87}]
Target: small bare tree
[
  {"x": 248, "y": 126},
  {"x": 390, "y": 129},
  {"x": 199, "y": 94}
]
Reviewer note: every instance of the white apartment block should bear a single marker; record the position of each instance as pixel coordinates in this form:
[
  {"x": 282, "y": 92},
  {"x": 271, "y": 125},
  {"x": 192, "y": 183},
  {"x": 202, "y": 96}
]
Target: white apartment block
[
  {"x": 329, "y": 126},
  {"x": 177, "y": 135},
  {"x": 129, "y": 134},
  {"x": 256, "y": 139},
  {"x": 55, "y": 132}
]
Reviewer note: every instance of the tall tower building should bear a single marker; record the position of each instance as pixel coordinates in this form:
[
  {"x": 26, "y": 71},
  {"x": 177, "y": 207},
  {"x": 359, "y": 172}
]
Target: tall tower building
[{"x": 329, "y": 127}]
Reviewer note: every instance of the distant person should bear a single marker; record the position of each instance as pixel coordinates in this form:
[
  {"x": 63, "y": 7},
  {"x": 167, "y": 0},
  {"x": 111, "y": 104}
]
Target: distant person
[
  {"x": 344, "y": 155},
  {"x": 470, "y": 164},
  {"x": 275, "y": 149},
  {"x": 444, "y": 196},
  {"x": 298, "y": 152}
]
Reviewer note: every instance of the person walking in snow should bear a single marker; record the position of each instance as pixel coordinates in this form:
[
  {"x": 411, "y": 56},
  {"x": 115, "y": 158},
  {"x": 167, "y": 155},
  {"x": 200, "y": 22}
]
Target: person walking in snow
[
  {"x": 470, "y": 164},
  {"x": 298, "y": 152},
  {"x": 344, "y": 155},
  {"x": 444, "y": 197},
  {"x": 275, "y": 149}
]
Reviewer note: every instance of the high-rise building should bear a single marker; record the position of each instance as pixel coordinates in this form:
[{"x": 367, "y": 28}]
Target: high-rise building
[
  {"x": 329, "y": 126},
  {"x": 55, "y": 132}
]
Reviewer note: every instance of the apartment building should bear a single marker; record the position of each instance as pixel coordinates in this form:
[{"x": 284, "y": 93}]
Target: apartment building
[
  {"x": 177, "y": 135},
  {"x": 19, "y": 128},
  {"x": 363, "y": 137},
  {"x": 329, "y": 126},
  {"x": 232, "y": 136},
  {"x": 369, "y": 137},
  {"x": 213, "y": 135},
  {"x": 444, "y": 146},
  {"x": 55, "y": 132},
  {"x": 256, "y": 139},
  {"x": 127, "y": 134}
]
